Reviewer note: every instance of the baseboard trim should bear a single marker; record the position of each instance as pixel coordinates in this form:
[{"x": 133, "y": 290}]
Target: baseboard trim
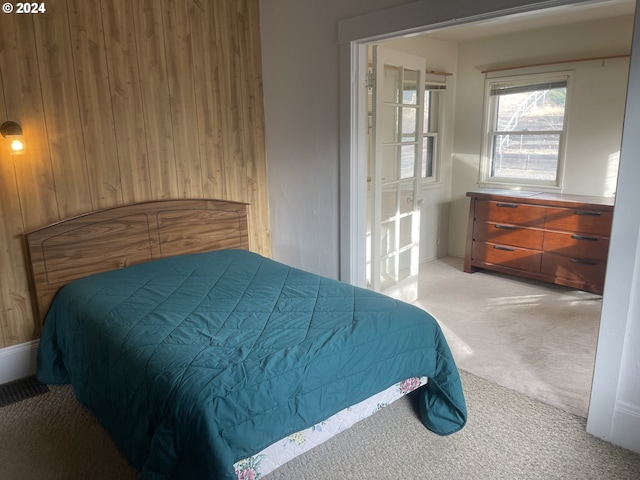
[
  {"x": 626, "y": 425},
  {"x": 18, "y": 361}
]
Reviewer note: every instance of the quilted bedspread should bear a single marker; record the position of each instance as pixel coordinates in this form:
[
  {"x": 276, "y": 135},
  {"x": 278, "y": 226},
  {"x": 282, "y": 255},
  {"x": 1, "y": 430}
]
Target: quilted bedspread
[{"x": 194, "y": 362}]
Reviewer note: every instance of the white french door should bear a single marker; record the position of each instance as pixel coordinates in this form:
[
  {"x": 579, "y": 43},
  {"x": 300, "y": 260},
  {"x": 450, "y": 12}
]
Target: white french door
[{"x": 395, "y": 164}]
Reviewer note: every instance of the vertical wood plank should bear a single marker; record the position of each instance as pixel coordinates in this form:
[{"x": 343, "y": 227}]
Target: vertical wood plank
[
  {"x": 155, "y": 98},
  {"x": 59, "y": 95},
  {"x": 92, "y": 83},
  {"x": 257, "y": 195},
  {"x": 16, "y": 323},
  {"x": 19, "y": 67},
  {"x": 126, "y": 100},
  {"x": 5, "y": 224},
  {"x": 208, "y": 98},
  {"x": 184, "y": 119},
  {"x": 27, "y": 192},
  {"x": 225, "y": 28}
]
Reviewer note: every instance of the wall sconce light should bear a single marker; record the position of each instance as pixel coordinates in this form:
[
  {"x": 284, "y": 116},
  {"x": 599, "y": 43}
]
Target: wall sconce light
[{"x": 13, "y": 133}]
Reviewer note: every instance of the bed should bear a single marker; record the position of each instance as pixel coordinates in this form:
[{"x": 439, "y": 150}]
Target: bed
[{"x": 203, "y": 359}]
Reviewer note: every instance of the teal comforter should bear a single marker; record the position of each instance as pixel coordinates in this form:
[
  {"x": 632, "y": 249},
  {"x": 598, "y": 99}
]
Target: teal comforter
[{"x": 194, "y": 362}]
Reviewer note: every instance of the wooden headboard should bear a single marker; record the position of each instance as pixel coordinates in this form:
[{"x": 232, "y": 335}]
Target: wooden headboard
[{"x": 121, "y": 236}]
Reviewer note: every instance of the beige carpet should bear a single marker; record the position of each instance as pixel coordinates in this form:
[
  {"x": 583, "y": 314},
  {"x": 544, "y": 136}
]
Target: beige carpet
[
  {"x": 508, "y": 436},
  {"x": 51, "y": 437},
  {"x": 533, "y": 337}
]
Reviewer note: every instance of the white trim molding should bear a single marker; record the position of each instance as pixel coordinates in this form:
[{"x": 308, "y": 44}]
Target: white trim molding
[
  {"x": 626, "y": 425},
  {"x": 18, "y": 361}
]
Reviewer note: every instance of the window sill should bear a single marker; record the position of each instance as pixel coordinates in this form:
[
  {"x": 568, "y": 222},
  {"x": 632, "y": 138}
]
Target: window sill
[{"x": 520, "y": 186}]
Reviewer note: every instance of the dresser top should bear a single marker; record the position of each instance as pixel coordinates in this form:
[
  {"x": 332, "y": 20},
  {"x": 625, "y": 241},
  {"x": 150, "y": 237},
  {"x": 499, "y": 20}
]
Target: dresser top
[{"x": 545, "y": 198}]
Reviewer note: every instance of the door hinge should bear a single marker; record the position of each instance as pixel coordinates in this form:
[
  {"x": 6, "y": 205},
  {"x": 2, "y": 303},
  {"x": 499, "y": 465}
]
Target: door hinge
[{"x": 370, "y": 80}]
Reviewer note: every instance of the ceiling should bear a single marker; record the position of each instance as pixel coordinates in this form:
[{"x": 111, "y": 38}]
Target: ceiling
[{"x": 581, "y": 12}]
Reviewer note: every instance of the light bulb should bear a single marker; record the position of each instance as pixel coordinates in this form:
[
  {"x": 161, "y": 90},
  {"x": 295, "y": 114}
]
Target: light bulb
[{"x": 17, "y": 146}]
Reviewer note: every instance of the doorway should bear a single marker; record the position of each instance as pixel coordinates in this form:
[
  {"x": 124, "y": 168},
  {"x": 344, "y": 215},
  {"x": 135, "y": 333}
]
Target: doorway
[{"x": 356, "y": 52}]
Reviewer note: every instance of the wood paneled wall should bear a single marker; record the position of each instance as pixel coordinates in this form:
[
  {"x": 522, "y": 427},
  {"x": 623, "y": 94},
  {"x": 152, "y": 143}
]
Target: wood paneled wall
[{"x": 124, "y": 101}]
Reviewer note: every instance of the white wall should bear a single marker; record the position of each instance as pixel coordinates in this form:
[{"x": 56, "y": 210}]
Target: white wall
[
  {"x": 302, "y": 66},
  {"x": 300, "y": 81},
  {"x": 597, "y": 102}
]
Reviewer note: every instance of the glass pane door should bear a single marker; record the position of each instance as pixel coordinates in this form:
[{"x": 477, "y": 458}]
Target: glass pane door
[{"x": 396, "y": 166}]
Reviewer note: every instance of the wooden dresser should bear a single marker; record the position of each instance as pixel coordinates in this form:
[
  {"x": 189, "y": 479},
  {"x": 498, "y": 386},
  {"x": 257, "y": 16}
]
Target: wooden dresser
[{"x": 558, "y": 238}]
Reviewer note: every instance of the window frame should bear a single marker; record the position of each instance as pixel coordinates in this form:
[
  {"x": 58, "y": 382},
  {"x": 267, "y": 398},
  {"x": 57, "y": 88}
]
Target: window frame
[
  {"x": 486, "y": 178},
  {"x": 438, "y": 115}
]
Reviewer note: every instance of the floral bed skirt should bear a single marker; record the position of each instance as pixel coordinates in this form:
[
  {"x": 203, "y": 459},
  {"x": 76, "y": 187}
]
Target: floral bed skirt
[{"x": 278, "y": 453}]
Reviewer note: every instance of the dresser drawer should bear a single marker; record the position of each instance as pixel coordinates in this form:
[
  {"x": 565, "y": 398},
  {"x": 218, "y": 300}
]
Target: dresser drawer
[
  {"x": 507, "y": 256},
  {"x": 576, "y": 245},
  {"x": 510, "y": 213},
  {"x": 506, "y": 234},
  {"x": 585, "y": 272},
  {"x": 579, "y": 220}
]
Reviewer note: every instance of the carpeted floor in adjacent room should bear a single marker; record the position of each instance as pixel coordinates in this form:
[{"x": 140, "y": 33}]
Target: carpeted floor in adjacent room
[{"x": 533, "y": 337}]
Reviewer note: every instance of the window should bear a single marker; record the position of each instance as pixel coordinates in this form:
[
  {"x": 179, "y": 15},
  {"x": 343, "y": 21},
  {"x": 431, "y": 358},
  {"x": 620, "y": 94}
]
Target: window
[
  {"x": 432, "y": 100},
  {"x": 430, "y": 129},
  {"x": 432, "y": 121},
  {"x": 525, "y": 130}
]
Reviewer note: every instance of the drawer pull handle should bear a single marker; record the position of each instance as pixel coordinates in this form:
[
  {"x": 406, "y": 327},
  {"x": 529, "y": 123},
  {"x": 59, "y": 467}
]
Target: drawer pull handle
[
  {"x": 583, "y": 237},
  {"x": 506, "y": 249},
  {"x": 587, "y": 213},
  {"x": 506, "y": 205},
  {"x": 584, "y": 262},
  {"x": 506, "y": 227}
]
